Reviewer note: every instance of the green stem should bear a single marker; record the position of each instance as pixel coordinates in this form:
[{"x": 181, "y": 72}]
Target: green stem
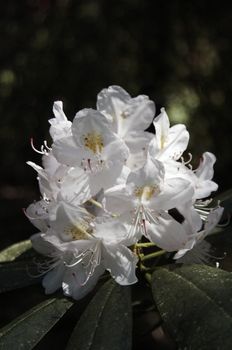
[
  {"x": 152, "y": 255},
  {"x": 143, "y": 267},
  {"x": 145, "y": 245}
]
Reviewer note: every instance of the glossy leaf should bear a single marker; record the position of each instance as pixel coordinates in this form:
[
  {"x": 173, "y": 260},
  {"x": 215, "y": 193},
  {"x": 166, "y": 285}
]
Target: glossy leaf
[
  {"x": 107, "y": 321},
  {"x": 195, "y": 303},
  {"x": 15, "y": 250},
  {"x": 27, "y": 330},
  {"x": 18, "y": 274}
]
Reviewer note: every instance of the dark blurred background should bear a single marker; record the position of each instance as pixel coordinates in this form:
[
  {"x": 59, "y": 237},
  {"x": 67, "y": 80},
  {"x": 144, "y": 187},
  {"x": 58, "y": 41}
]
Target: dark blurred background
[{"x": 178, "y": 52}]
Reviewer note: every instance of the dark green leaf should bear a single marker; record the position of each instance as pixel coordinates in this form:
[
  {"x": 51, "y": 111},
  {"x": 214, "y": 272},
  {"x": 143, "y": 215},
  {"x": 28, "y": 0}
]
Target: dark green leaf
[
  {"x": 27, "y": 330},
  {"x": 12, "y": 252},
  {"x": 106, "y": 324},
  {"x": 195, "y": 303},
  {"x": 18, "y": 274}
]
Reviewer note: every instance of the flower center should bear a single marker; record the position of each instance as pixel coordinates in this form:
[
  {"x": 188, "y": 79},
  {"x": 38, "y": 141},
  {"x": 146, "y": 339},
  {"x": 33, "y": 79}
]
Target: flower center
[
  {"x": 146, "y": 192},
  {"x": 94, "y": 142}
]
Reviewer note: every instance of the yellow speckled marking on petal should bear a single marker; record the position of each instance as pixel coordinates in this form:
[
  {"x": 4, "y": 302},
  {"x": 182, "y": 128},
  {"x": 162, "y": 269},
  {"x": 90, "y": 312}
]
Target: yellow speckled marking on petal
[
  {"x": 146, "y": 192},
  {"x": 94, "y": 142},
  {"x": 80, "y": 231}
]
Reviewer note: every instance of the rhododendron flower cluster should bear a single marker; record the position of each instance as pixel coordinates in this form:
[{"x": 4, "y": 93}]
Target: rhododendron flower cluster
[{"x": 107, "y": 185}]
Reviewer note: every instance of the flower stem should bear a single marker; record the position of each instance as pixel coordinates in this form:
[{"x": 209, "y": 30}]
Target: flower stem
[
  {"x": 145, "y": 245},
  {"x": 143, "y": 267},
  {"x": 152, "y": 255}
]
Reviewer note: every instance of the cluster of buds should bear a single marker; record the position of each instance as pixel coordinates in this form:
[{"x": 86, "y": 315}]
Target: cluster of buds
[{"x": 107, "y": 185}]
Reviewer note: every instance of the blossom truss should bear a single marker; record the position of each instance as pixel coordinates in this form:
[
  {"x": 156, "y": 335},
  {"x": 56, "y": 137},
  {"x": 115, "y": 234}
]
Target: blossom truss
[{"x": 108, "y": 186}]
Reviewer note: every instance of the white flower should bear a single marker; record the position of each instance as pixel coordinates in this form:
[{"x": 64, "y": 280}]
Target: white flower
[
  {"x": 201, "y": 178},
  {"x": 145, "y": 197},
  {"x": 82, "y": 248},
  {"x": 59, "y": 182},
  {"x": 196, "y": 235},
  {"x": 60, "y": 125},
  {"x": 128, "y": 117},
  {"x": 50, "y": 175},
  {"x": 40, "y": 213},
  {"x": 59, "y": 270},
  {"x": 95, "y": 149},
  {"x": 204, "y": 174},
  {"x": 105, "y": 182},
  {"x": 168, "y": 143}
]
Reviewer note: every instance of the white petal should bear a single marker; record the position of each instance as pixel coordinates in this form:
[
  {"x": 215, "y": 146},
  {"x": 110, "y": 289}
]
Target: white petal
[
  {"x": 205, "y": 170},
  {"x": 53, "y": 279},
  {"x": 213, "y": 219},
  {"x": 111, "y": 102},
  {"x": 121, "y": 263},
  {"x": 193, "y": 222},
  {"x": 172, "y": 142},
  {"x": 65, "y": 151},
  {"x": 116, "y": 151},
  {"x": 196, "y": 241},
  {"x": 50, "y": 163},
  {"x": 204, "y": 188},
  {"x": 89, "y": 121},
  {"x": 162, "y": 124},
  {"x": 151, "y": 174},
  {"x": 126, "y": 113},
  {"x": 75, "y": 188},
  {"x": 75, "y": 283},
  {"x": 58, "y": 111},
  {"x": 41, "y": 245},
  {"x": 118, "y": 200},
  {"x": 60, "y": 126},
  {"x": 137, "y": 114},
  {"x": 51, "y": 244},
  {"x": 178, "y": 138},
  {"x": 167, "y": 233},
  {"x": 188, "y": 246},
  {"x": 36, "y": 167},
  {"x": 138, "y": 143},
  {"x": 175, "y": 192},
  {"x": 110, "y": 231},
  {"x": 38, "y": 214},
  {"x": 121, "y": 180},
  {"x": 177, "y": 143},
  {"x": 68, "y": 217},
  {"x": 138, "y": 140},
  {"x": 46, "y": 184},
  {"x": 153, "y": 148}
]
